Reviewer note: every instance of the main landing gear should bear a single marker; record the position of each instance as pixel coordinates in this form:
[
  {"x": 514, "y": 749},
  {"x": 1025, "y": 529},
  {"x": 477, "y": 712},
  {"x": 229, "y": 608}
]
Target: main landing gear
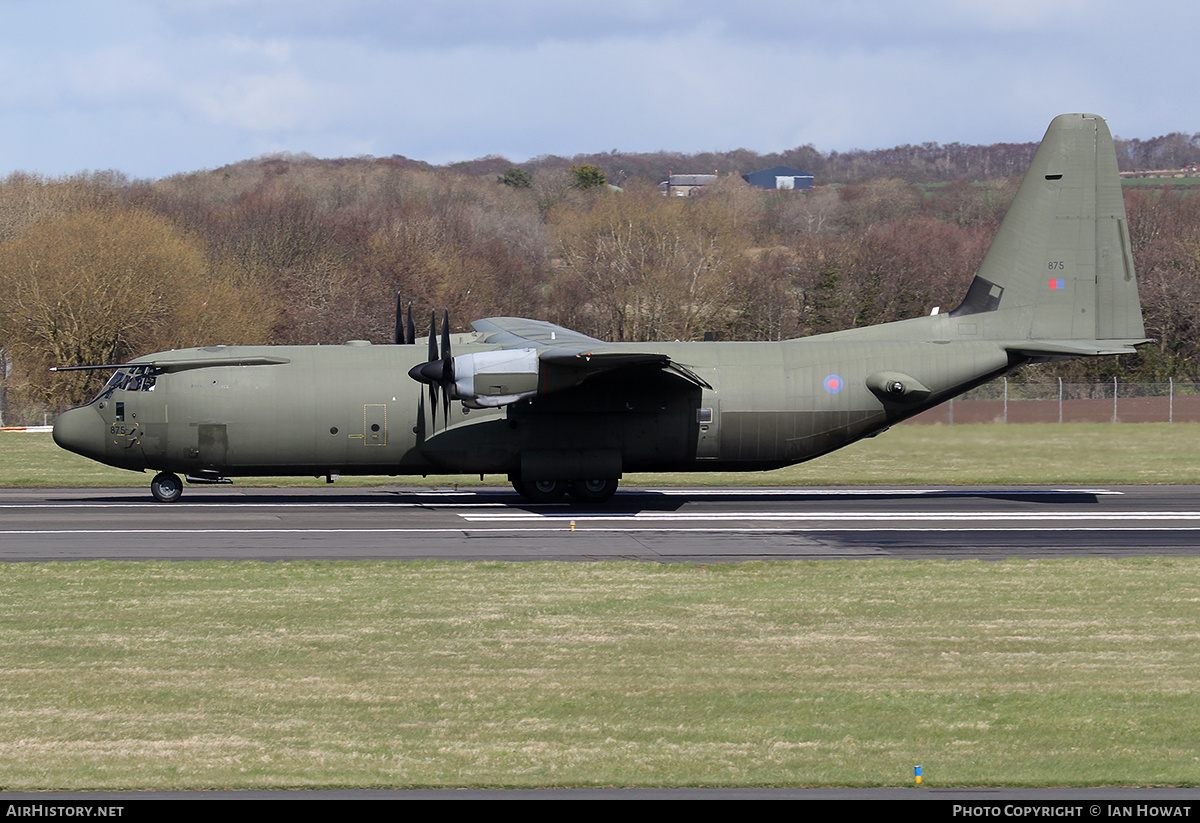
[
  {"x": 166, "y": 487},
  {"x": 550, "y": 491}
]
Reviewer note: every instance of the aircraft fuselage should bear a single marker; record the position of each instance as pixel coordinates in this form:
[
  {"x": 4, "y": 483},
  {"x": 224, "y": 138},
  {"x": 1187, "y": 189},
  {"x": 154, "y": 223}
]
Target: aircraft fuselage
[{"x": 352, "y": 409}]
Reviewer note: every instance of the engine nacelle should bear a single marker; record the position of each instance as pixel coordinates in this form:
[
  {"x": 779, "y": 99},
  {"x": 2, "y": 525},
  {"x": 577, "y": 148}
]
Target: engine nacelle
[{"x": 491, "y": 379}]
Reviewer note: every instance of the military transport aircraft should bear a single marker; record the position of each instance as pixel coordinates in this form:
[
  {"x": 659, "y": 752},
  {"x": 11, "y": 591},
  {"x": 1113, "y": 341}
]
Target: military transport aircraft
[{"x": 559, "y": 412}]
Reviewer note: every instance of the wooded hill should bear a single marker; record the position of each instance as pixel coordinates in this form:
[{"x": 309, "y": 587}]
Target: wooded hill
[
  {"x": 924, "y": 163},
  {"x": 97, "y": 268}
]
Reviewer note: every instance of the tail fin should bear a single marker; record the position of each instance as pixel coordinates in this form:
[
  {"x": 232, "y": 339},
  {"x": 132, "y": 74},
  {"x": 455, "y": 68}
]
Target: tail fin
[{"x": 1060, "y": 271}]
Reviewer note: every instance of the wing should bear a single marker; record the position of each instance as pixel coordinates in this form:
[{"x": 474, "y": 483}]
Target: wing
[
  {"x": 168, "y": 363},
  {"x": 540, "y": 358},
  {"x": 518, "y": 332}
]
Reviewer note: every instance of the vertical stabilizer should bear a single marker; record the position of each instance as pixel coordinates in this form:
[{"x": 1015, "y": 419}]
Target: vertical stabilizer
[{"x": 1060, "y": 267}]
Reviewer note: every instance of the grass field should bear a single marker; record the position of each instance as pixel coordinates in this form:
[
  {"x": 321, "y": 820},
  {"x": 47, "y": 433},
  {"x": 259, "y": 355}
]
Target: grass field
[
  {"x": 907, "y": 454},
  {"x": 189, "y": 675},
  {"x": 322, "y": 674}
]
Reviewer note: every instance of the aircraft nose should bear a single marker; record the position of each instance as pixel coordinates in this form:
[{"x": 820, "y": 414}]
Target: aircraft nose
[{"x": 80, "y": 430}]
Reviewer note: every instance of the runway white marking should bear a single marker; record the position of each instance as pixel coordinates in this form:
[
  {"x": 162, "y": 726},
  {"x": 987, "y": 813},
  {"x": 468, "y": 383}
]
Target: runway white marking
[
  {"x": 501, "y": 518},
  {"x": 565, "y": 528},
  {"x": 860, "y": 492},
  {"x": 803, "y": 517},
  {"x": 237, "y": 504},
  {"x": 382, "y": 497},
  {"x": 664, "y": 521}
]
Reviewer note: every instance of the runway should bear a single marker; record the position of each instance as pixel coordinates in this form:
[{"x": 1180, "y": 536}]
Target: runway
[{"x": 707, "y": 525}]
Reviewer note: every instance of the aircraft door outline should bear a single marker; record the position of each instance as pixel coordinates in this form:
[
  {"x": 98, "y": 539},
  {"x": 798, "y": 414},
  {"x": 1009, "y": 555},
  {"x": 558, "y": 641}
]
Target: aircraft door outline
[{"x": 374, "y": 425}]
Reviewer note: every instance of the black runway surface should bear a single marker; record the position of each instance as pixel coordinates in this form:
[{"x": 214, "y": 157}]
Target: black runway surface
[{"x": 707, "y": 525}]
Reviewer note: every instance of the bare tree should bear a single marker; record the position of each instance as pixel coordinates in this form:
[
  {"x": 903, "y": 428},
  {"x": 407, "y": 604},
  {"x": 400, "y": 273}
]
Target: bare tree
[{"x": 100, "y": 286}]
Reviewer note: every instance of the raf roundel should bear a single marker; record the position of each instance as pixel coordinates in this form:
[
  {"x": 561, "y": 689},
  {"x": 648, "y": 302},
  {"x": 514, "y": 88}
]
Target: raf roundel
[{"x": 833, "y": 383}]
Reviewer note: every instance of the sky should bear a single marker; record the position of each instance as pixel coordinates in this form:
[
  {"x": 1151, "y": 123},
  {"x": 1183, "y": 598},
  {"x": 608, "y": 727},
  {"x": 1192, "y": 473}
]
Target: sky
[{"x": 157, "y": 88}]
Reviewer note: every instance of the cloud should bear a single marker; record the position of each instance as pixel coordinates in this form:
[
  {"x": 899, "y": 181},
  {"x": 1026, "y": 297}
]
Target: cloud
[{"x": 156, "y": 88}]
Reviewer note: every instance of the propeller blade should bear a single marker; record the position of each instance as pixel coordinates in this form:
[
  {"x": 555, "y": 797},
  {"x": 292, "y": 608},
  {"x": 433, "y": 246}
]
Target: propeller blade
[
  {"x": 446, "y": 377},
  {"x": 447, "y": 358},
  {"x": 398, "y": 335},
  {"x": 419, "y": 429},
  {"x": 433, "y": 349},
  {"x": 433, "y": 356},
  {"x": 412, "y": 331},
  {"x": 438, "y": 370}
]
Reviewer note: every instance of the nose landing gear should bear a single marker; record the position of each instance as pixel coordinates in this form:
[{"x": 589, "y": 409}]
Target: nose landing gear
[{"x": 166, "y": 487}]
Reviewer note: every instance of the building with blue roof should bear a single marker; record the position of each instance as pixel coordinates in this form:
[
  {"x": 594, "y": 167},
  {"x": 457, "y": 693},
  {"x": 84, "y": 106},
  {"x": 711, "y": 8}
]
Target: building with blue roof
[{"x": 779, "y": 177}]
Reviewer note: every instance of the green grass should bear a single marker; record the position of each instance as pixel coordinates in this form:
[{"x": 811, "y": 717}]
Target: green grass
[
  {"x": 968, "y": 454},
  {"x": 189, "y": 675},
  {"x": 318, "y": 674},
  {"x": 1018, "y": 454}
]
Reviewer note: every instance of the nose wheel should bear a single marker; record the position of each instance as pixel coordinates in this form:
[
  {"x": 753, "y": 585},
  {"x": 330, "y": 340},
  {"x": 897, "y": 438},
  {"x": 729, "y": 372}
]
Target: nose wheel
[{"x": 166, "y": 487}]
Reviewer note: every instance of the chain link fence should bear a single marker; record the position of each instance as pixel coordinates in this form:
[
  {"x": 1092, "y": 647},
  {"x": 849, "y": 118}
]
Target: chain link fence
[
  {"x": 1007, "y": 401},
  {"x": 1002, "y": 401}
]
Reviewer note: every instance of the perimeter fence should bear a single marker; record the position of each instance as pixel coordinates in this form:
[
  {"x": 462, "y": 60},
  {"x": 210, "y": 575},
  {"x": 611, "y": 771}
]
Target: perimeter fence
[
  {"x": 1002, "y": 401},
  {"x": 1009, "y": 401}
]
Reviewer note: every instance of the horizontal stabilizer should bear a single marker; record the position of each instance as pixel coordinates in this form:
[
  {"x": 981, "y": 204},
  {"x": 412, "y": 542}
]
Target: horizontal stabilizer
[{"x": 1073, "y": 348}]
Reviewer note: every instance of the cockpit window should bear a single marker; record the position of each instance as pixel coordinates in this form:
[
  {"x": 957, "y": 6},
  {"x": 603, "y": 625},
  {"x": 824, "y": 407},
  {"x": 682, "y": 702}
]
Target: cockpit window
[{"x": 130, "y": 378}]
